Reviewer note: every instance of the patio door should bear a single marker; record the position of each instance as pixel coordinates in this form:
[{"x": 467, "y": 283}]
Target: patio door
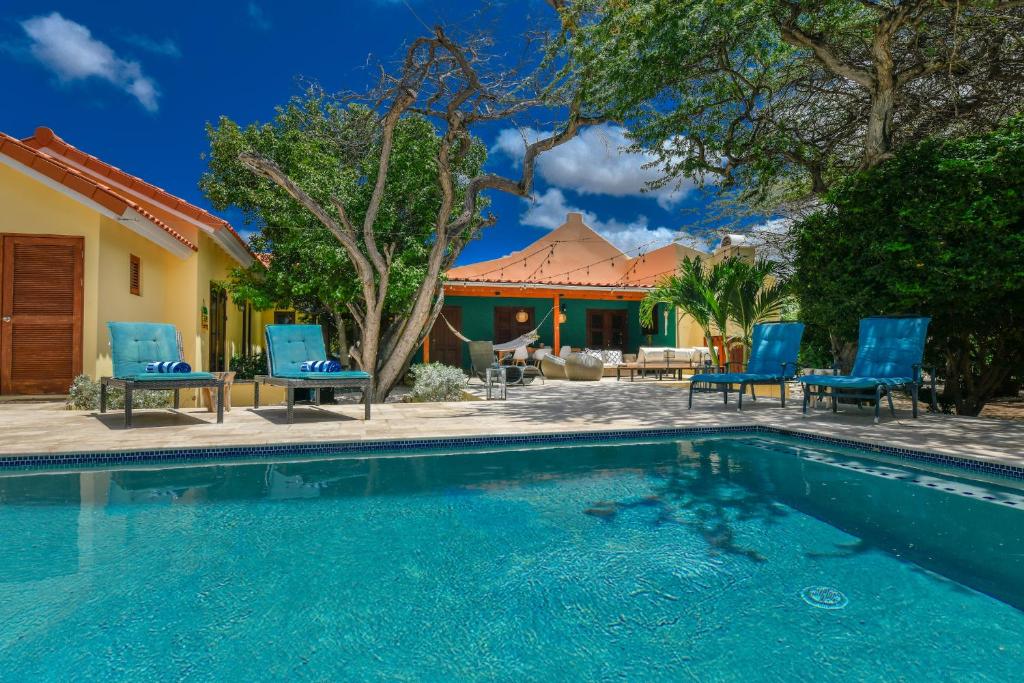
[
  {"x": 607, "y": 329},
  {"x": 445, "y": 347},
  {"x": 41, "y": 281}
]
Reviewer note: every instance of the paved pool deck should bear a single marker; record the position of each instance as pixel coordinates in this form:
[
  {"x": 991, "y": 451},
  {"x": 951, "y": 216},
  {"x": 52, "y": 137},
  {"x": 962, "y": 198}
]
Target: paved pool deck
[{"x": 556, "y": 407}]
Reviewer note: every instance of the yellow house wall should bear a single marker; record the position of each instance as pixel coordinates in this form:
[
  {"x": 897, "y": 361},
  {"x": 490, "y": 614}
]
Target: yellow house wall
[
  {"x": 173, "y": 289},
  {"x": 32, "y": 208}
]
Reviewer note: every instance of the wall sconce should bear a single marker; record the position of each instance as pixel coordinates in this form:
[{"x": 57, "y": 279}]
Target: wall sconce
[
  {"x": 561, "y": 314},
  {"x": 522, "y": 316}
]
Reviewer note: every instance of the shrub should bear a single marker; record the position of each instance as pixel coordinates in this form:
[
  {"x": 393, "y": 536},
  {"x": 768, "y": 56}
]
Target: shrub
[
  {"x": 936, "y": 230},
  {"x": 84, "y": 394},
  {"x": 436, "y": 382},
  {"x": 247, "y": 367}
]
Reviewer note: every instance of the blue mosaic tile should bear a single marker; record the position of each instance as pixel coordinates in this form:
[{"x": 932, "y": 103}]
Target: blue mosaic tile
[{"x": 361, "y": 448}]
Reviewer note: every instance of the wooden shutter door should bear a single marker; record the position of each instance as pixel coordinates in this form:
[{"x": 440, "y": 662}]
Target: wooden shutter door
[{"x": 40, "y": 313}]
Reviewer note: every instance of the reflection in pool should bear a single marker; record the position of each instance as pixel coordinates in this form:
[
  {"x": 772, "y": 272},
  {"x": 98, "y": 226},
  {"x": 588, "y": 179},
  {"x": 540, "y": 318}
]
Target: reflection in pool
[{"x": 657, "y": 561}]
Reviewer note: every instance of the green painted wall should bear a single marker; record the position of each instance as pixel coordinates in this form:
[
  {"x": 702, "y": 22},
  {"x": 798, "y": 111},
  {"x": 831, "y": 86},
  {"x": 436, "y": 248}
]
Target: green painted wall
[{"x": 478, "y": 321}]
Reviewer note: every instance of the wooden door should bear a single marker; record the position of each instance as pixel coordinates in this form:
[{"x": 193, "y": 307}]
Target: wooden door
[
  {"x": 41, "y": 280},
  {"x": 445, "y": 347},
  {"x": 506, "y": 327},
  {"x": 607, "y": 329}
]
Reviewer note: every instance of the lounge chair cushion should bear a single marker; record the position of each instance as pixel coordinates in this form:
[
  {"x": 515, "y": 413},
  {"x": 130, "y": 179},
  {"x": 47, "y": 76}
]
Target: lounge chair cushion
[
  {"x": 735, "y": 377},
  {"x": 170, "y": 377},
  {"x": 134, "y": 345},
  {"x": 773, "y": 344},
  {"x": 850, "y": 382},
  {"x": 343, "y": 375},
  {"x": 292, "y": 345}
]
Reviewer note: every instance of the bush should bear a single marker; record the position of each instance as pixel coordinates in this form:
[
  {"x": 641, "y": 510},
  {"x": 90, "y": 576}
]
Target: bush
[
  {"x": 436, "y": 382},
  {"x": 247, "y": 367},
  {"x": 936, "y": 230},
  {"x": 84, "y": 394}
]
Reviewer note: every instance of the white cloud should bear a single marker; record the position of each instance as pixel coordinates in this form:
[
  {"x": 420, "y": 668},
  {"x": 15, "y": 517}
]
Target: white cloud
[
  {"x": 548, "y": 211},
  {"x": 594, "y": 163},
  {"x": 69, "y": 50}
]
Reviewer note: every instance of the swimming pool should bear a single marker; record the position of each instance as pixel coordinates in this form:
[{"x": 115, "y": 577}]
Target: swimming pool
[{"x": 712, "y": 558}]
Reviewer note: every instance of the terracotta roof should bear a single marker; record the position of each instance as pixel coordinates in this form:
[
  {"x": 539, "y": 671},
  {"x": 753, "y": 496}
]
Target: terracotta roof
[
  {"x": 81, "y": 183},
  {"x": 159, "y": 200},
  {"x": 576, "y": 256}
]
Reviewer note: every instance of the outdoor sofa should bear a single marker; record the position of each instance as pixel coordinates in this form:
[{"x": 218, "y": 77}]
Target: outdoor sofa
[
  {"x": 288, "y": 347},
  {"x": 133, "y": 346},
  {"x": 773, "y": 356},
  {"x": 889, "y": 353},
  {"x": 664, "y": 361}
]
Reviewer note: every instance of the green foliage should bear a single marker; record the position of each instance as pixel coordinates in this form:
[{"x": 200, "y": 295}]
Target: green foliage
[
  {"x": 84, "y": 394},
  {"x": 331, "y": 150},
  {"x": 733, "y": 290},
  {"x": 436, "y": 382},
  {"x": 247, "y": 367},
  {"x": 937, "y": 230},
  {"x": 740, "y": 90}
]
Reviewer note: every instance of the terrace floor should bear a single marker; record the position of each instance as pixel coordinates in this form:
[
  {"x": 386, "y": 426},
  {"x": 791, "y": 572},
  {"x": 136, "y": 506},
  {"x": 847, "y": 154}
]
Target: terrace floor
[{"x": 555, "y": 407}]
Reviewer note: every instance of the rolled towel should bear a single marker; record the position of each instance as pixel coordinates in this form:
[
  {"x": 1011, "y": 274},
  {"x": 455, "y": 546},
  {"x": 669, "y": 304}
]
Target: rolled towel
[
  {"x": 320, "y": 366},
  {"x": 169, "y": 367}
]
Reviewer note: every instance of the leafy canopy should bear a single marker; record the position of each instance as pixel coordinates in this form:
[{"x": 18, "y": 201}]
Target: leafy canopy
[
  {"x": 331, "y": 150},
  {"x": 937, "y": 230}
]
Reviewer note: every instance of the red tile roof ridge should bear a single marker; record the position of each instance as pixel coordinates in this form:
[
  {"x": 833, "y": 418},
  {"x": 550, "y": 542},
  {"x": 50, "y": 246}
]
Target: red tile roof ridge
[
  {"x": 45, "y": 137},
  {"x": 109, "y": 198}
]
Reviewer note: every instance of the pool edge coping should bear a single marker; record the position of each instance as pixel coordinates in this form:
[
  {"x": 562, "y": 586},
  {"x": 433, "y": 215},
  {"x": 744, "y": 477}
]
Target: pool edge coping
[{"x": 27, "y": 463}]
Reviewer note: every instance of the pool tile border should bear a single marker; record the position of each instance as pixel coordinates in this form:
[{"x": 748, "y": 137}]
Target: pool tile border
[{"x": 216, "y": 454}]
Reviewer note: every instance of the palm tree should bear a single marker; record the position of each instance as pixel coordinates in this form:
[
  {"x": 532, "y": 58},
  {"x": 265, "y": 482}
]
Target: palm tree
[
  {"x": 755, "y": 296},
  {"x": 699, "y": 291}
]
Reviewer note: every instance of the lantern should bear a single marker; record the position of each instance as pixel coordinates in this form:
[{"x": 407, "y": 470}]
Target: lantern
[
  {"x": 561, "y": 315},
  {"x": 522, "y": 316}
]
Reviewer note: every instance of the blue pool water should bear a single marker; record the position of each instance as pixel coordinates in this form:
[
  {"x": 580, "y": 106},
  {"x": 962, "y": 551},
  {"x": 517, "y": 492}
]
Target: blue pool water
[{"x": 722, "y": 558}]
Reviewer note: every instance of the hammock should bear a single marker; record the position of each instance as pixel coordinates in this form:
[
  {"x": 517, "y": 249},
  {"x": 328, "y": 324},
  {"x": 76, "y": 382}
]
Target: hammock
[{"x": 517, "y": 343}]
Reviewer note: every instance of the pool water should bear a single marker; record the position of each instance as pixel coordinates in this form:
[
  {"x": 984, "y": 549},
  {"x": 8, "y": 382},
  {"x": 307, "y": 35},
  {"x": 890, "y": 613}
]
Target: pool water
[{"x": 721, "y": 558}]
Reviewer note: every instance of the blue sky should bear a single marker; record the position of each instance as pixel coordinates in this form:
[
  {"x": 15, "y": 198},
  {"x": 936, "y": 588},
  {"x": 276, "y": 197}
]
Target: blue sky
[{"x": 134, "y": 84}]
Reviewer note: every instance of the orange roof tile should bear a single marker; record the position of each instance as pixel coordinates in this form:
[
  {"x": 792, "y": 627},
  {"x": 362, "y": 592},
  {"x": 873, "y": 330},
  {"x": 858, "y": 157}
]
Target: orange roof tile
[
  {"x": 58, "y": 171},
  {"x": 161, "y": 200}
]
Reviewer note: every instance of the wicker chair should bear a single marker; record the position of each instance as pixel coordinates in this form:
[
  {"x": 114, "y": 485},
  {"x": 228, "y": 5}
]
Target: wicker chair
[{"x": 583, "y": 367}]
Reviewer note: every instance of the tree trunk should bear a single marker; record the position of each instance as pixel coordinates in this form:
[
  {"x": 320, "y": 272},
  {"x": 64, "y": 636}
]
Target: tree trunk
[{"x": 339, "y": 323}]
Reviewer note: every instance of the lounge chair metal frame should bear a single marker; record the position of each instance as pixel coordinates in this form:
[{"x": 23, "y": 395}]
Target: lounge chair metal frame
[
  {"x": 130, "y": 386},
  {"x": 880, "y": 390},
  {"x": 913, "y": 388},
  {"x": 787, "y": 373},
  {"x": 291, "y": 384},
  {"x": 725, "y": 387}
]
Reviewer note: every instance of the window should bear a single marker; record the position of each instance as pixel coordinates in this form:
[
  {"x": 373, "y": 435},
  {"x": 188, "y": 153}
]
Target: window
[
  {"x": 607, "y": 329},
  {"x": 134, "y": 275}
]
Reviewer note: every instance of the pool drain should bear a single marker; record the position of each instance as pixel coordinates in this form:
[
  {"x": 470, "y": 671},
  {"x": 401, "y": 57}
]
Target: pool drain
[{"x": 824, "y": 597}]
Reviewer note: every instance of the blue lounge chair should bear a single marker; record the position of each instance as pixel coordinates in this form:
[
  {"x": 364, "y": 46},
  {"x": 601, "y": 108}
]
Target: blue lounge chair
[
  {"x": 288, "y": 347},
  {"x": 773, "y": 353},
  {"x": 889, "y": 352},
  {"x": 135, "y": 345},
  {"x": 773, "y": 360}
]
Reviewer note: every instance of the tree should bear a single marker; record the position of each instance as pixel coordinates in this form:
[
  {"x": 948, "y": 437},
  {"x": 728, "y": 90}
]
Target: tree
[
  {"x": 445, "y": 83},
  {"x": 699, "y": 291},
  {"x": 756, "y": 295},
  {"x": 936, "y": 230},
  {"x": 324, "y": 143},
  {"x": 784, "y": 97}
]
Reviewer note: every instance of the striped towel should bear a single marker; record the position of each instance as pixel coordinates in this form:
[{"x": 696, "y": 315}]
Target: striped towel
[
  {"x": 169, "y": 366},
  {"x": 320, "y": 366}
]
